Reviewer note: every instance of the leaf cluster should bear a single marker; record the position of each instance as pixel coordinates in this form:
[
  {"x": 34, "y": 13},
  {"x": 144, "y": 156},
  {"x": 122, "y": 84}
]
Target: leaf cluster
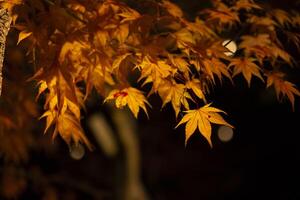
[{"x": 111, "y": 47}]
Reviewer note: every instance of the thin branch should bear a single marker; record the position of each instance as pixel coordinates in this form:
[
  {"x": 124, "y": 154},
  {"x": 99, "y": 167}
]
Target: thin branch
[{"x": 68, "y": 11}]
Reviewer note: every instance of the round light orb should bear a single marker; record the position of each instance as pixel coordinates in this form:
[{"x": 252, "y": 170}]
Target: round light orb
[
  {"x": 225, "y": 133},
  {"x": 231, "y": 46},
  {"x": 77, "y": 151}
]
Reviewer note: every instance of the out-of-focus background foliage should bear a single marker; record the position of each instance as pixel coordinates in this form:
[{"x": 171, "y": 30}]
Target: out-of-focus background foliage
[{"x": 260, "y": 161}]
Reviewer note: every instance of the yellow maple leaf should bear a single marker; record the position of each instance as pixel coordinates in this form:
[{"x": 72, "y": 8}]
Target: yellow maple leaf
[
  {"x": 121, "y": 33},
  {"x": 154, "y": 71},
  {"x": 129, "y": 15},
  {"x": 223, "y": 14},
  {"x": 96, "y": 76},
  {"x": 246, "y": 5},
  {"x": 259, "y": 45},
  {"x": 214, "y": 66},
  {"x": 9, "y": 4},
  {"x": 281, "y": 16},
  {"x": 74, "y": 52},
  {"x": 23, "y": 35},
  {"x": 262, "y": 21},
  {"x": 181, "y": 64},
  {"x": 173, "y": 9},
  {"x": 199, "y": 27},
  {"x": 252, "y": 41},
  {"x": 219, "y": 68},
  {"x": 278, "y": 52},
  {"x": 195, "y": 86},
  {"x": 63, "y": 103},
  {"x": 50, "y": 118},
  {"x": 69, "y": 128},
  {"x": 202, "y": 118},
  {"x": 174, "y": 93},
  {"x": 117, "y": 62},
  {"x": 184, "y": 38},
  {"x": 130, "y": 96},
  {"x": 101, "y": 37},
  {"x": 247, "y": 67}
]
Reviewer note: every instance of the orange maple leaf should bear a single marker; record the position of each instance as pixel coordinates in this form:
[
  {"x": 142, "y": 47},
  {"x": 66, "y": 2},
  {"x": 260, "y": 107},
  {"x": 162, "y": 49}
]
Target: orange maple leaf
[
  {"x": 202, "y": 118},
  {"x": 281, "y": 16},
  {"x": 70, "y": 129},
  {"x": 222, "y": 14},
  {"x": 246, "y": 5},
  {"x": 247, "y": 67},
  {"x": 175, "y": 93},
  {"x": 130, "y": 96},
  {"x": 282, "y": 87},
  {"x": 173, "y": 9}
]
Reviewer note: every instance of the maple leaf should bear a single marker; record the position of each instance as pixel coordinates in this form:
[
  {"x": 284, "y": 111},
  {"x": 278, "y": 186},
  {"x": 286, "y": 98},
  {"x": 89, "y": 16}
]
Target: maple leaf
[
  {"x": 281, "y": 17},
  {"x": 249, "y": 41},
  {"x": 258, "y": 45},
  {"x": 278, "y": 52},
  {"x": 121, "y": 33},
  {"x": 9, "y": 4},
  {"x": 173, "y": 9},
  {"x": 282, "y": 87},
  {"x": 130, "y": 96},
  {"x": 62, "y": 103},
  {"x": 214, "y": 66},
  {"x": 23, "y": 35},
  {"x": 247, "y": 67},
  {"x": 175, "y": 93},
  {"x": 261, "y": 47},
  {"x": 129, "y": 15},
  {"x": 184, "y": 38},
  {"x": 97, "y": 43},
  {"x": 101, "y": 37},
  {"x": 220, "y": 69},
  {"x": 246, "y": 5},
  {"x": 195, "y": 86},
  {"x": 50, "y": 119},
  {"x": 70, "y": 129},
  {"x": 155, "y": 71},
  {"x": 222, "y": 14},
  {"x": 97, "y": 76},
  {"x": 181, "y": 64},
  {"x": 74, "y": 52},
  {"x": 118, "y": 61},
  {"x": 202, "y": 118},
  {"x": 199, "y": 27}
]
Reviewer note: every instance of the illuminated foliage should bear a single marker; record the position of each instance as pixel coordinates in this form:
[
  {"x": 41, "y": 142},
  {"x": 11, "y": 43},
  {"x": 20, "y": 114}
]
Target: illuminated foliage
[{"x": 118, "y": 48}]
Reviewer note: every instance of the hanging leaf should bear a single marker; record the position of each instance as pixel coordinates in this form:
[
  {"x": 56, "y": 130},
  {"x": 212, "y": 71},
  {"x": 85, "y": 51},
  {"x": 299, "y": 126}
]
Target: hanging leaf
[
  {"x": 247, "y": 67},
  {"x": 130, "y": 96},
  {"x": 282, "y": 87},
  {"x": 202, "y": 118}
]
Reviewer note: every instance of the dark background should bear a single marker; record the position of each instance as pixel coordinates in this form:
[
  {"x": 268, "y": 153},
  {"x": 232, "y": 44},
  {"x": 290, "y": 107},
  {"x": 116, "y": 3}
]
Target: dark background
[{"x": 260, "y": 162}]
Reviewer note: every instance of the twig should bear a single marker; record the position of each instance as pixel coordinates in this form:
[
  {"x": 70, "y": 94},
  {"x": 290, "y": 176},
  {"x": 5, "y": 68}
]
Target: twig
[{"x": 69, "y": 12}]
